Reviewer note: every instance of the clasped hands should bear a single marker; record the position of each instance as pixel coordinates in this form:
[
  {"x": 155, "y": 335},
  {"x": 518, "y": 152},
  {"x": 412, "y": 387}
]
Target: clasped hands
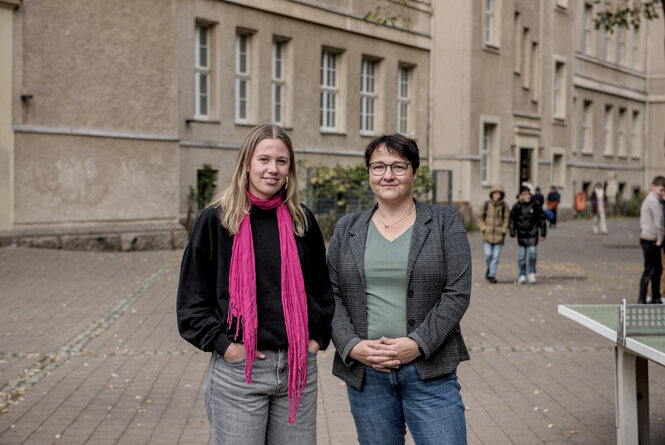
[{"x": 385, "y": 353}]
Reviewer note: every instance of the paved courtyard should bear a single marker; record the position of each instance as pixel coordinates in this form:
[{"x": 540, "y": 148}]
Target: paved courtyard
[{"x": 90, "y": 353}]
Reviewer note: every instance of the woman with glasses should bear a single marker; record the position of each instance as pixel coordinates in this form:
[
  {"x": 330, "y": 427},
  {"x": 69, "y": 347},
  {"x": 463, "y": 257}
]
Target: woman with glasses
[
  {"x": 254, "y": 291},
  {"x": 401, "y": 275}
]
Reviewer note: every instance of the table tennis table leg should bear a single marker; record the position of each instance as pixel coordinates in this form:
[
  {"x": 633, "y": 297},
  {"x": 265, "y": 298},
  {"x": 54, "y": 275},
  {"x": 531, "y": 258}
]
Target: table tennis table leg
[{"x": 632, "y": 397}]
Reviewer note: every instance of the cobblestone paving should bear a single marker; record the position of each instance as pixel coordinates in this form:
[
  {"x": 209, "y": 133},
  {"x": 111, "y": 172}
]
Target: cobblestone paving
[{"x": 90, "y": 354}]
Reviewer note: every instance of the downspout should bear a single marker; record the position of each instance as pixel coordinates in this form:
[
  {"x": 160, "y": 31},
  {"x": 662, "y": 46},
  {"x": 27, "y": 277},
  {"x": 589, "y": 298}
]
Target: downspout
[{"x": 645, "y": 146}]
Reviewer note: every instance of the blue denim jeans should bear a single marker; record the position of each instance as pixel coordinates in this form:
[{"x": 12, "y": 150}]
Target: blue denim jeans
[
  {"x": 432, "y": 409},
  {"x": 521, "y": 259},
  {"x": 492, "y": 251},
  {"x": 258, "y": 414}
]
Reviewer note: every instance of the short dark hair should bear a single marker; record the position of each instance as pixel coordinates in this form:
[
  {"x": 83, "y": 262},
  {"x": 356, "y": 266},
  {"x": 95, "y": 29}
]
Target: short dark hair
[
  {"x": 524, "y": 188},
  {"x": 658, "y": 181},
  {"x": 395, "y": 143}
]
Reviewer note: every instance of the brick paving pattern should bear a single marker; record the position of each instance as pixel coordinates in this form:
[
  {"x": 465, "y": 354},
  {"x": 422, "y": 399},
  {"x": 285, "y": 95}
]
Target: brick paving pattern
[{"x": 90, "y": 353}]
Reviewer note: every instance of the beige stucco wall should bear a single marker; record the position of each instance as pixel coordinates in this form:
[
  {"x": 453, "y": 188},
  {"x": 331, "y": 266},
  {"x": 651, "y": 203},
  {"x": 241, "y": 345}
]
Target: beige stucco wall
[
  {"x": 656, "y": 142},
  {"x": 76, "y": 180},
  {"x": 107, "y": 69},
  {"x": 6, "y": 132},
  {"x": 451, "y": 91},
  {"x": 99, "y": 64}
]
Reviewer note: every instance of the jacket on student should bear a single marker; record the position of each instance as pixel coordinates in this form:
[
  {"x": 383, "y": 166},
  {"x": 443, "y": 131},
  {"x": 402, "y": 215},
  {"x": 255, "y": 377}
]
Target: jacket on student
[
  {"x": 493, "y": 217},
  {"x": 527, "y": 221}
]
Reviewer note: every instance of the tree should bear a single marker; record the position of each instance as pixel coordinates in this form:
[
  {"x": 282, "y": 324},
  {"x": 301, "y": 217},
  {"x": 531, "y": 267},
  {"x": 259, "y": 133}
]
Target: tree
[{"x": 626, "y": 13}]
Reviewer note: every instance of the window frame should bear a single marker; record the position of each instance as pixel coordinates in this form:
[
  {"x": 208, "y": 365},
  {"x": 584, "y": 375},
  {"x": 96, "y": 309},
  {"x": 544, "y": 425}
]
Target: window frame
[
  {"x": 489, "y": 16},
  {"x": 201, "y": 70},
  {"x": 488, "y": 148},
  {"x": 607, "y": 131},
  {"x": 485, "y": 152},
  {"x": 404, "y": 101},
  {"x": 607, "y": 46},
  {"x": 635, "y": 47},
  {"x": 635, "y": 135},
  {"x": 620, "y": 135},
  {"x": 587, "y": 127},
  {"x": 278, "y": 82},
  {"x": 368, "y": 96},
  {"x": 559, "y": 83},
  {"x": 587, "y": 35},
  {"x": 558, "y": 170},
  {"x": 621, "y": 41},
  {"x": 242, "y": 78},
  {"x": 329, "y": 91}
]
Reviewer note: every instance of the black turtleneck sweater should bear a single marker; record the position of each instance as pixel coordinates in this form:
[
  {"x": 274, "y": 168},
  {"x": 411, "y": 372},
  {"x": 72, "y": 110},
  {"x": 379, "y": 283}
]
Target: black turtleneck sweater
[{"x": 203, "y": 291}]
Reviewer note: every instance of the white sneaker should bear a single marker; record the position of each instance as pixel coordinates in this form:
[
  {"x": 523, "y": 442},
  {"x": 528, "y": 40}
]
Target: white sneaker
[
  {"x": 532, "y": 278},
  {"x": 521, "y": 279}
]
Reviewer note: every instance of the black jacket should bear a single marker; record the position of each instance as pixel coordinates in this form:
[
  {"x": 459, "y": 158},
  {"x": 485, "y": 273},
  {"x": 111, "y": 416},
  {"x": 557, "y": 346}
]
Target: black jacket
[
  {"x": 526, "y": 220},
  {"x": 203, "y": 292}
]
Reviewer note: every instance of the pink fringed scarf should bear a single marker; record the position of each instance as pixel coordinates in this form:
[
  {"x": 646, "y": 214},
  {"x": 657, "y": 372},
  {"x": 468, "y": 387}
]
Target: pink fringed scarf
[{"x": 242, "y": 291}]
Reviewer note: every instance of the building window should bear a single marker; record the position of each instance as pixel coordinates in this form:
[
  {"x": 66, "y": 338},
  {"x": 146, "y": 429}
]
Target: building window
[
  {"x": 517, "y": 43},
  {"x": 278, "y": 82},
  {"x": 586, "y": 127},
  {"x": 329, "y": 90},
  {"x": 608, "y": 42},
  {"x": 620, "y": 132},
  {"x": 489, "y": 22},
  {"x": 559, "y": 90},
  {"x": 607, "y": 131},
  {"x": 489, "y": 135},
  {"x": 621, "y": 44},
  {"x": 367, "y": 96},
  {"x": 535, "y": 69},
  {"x": 202, "y": 73},
  {"x": 403, "y": 99},
  {"x": 634, "y": 134},
  {"x": 242, "y": 78},
  {"x": 557, "y": 170},
  {"x": 635, "y": 46},
  {"x": 588, "y": 17},
  {"x": 526, "y": 58}
]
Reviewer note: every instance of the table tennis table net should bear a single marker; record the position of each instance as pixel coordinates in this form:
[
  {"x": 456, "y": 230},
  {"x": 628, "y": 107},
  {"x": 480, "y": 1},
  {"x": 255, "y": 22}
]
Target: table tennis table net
[{"x": 645, "y": 319}]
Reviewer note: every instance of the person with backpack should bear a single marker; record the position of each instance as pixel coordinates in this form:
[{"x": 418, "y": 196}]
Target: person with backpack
[
  {"x": 527, "y": 222},
  {"x": 493, "y": 217}
]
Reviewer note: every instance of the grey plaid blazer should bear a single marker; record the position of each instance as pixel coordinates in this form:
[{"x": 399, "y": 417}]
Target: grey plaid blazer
[{"x": 438, "y": 290}]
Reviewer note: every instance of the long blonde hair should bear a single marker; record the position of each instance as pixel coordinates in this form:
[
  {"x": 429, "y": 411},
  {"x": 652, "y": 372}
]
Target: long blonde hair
[{"x": 233, "y": 202}]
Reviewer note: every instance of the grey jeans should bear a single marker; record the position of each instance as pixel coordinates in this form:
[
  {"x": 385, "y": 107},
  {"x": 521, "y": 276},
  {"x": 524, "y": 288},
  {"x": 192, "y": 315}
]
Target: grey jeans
[{"x": 257, "y": 414}]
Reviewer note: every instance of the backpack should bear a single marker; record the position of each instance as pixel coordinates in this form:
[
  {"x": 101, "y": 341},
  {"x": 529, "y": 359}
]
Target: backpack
[{"x": 487, "y": 205}]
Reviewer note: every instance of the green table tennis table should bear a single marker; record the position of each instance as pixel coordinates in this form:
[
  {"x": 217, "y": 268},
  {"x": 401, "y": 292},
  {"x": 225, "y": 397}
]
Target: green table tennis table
[{"x": 634, "y": 348}]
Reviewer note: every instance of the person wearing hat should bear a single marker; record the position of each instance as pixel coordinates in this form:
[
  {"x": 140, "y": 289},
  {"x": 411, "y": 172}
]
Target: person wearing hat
[{"x": 493, "y": 217}]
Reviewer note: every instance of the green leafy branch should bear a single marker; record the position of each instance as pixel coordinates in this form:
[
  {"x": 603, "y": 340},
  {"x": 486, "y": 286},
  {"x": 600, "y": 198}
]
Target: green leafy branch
[{"x": 625, "y": 13}]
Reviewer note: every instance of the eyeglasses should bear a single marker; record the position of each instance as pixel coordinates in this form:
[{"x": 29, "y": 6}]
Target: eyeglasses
[{"x": 398, "y": 168}]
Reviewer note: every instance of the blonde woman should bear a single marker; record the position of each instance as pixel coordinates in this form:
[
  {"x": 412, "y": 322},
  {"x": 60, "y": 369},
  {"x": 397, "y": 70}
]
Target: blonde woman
[{"x": 254, "y": 290}]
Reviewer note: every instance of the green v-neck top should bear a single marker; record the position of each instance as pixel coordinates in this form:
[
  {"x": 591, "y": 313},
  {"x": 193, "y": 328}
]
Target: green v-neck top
[{"x": 386, "y": 282}]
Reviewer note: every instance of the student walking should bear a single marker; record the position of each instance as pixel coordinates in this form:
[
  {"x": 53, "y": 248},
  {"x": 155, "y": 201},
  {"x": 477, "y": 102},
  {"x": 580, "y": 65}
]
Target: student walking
[
  {"x": 599, "y": 205},
  {"x": 493, "y": 217},
  {"x": 527, "y": 222},
  {"x": 652, "y": 232}
]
